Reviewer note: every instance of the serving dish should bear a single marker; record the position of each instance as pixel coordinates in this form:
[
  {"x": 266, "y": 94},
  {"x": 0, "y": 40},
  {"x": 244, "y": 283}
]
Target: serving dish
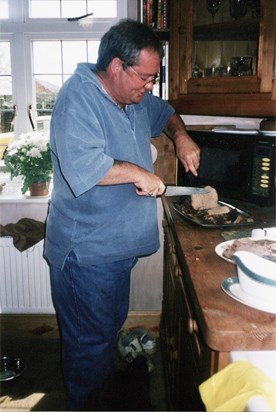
[
  {"x": 231, "y": 287},
  {"x": 257, "y": 276},
  {"x": 221, "y": 247},
  {"x": 10, "y": 368},
  {"x": 198, "y": 218}
]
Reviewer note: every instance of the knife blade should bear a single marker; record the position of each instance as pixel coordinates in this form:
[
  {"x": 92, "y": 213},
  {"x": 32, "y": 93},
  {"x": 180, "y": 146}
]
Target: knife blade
[{"x": 183, "y": 191}]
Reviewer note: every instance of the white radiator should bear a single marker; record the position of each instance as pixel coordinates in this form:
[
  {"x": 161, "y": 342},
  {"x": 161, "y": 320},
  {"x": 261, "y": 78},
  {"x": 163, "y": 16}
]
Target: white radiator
[{"x": 24, "y": 279}]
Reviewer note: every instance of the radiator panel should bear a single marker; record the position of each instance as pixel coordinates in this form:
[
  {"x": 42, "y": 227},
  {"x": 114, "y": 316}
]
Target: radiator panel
[{"x": 24, "y": 280}]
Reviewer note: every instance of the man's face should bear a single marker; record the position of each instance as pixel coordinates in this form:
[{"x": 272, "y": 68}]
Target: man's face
[{"x": 133, "y": 82}]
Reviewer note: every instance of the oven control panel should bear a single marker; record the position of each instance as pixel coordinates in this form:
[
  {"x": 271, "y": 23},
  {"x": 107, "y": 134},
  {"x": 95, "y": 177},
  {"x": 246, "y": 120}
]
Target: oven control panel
[{"x": 263, "y": 169}]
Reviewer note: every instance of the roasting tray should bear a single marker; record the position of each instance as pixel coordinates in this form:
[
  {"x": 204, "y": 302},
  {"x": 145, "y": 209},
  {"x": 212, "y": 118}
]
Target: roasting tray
[{"x": 199, "y": 218}]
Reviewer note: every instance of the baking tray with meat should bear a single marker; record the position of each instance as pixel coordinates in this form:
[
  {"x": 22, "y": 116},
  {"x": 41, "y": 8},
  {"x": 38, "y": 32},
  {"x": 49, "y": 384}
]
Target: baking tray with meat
[{"x": 229, "y": 215}]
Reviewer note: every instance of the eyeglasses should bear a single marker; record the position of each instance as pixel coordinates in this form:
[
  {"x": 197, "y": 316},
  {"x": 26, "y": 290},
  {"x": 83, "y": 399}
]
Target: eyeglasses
[{"x": 142, "y": 79}]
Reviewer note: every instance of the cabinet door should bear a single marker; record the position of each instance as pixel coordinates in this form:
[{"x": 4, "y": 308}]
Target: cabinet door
[
  {"x": 187, "y": 359},
  {"x": 194, "y": 357},
  {"x": 169, "y": 318},
  {"x": 224, "y": 63}
]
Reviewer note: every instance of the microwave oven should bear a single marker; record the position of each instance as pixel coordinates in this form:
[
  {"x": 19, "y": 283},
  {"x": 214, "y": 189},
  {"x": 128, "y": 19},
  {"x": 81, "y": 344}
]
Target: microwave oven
[{"x": 240, "y": 166}]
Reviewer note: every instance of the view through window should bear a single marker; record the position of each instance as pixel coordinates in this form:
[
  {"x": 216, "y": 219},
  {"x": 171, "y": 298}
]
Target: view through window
[
  {"x": 50, "y": 74},
  {"x": 39, "y": 50}
]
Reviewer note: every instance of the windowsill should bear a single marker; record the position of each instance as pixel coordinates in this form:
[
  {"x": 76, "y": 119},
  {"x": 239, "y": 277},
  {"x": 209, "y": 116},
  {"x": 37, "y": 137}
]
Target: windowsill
[{"x": 11, "y": 192}]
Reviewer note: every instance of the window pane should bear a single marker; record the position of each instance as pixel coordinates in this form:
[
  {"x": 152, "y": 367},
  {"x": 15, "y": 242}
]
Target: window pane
[
  {"x": 73, "y": 51},
  {"x": 44, "y": 8},
  {"x": 50, "y": 74},
  {"x": 73, "y": 8},
  {"x": 4, "y": 10},
  {"x": 47, "y": 57},
  {"x": 6, "y": 104},
  {"x": 47, "y": 87},
  {"x": 93, "y": 47},
  {"x": 108, "y": 9}
]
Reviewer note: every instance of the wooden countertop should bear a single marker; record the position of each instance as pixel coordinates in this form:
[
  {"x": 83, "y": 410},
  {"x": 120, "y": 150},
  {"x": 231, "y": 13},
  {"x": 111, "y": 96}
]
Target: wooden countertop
[{"x": 225, "y": 324}]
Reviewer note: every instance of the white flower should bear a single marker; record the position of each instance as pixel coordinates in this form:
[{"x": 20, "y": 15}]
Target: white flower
[
  {"x": 34, "y": 152},
  {"x": 30, "y": 157},
  {"x": 12, "y": 151}
]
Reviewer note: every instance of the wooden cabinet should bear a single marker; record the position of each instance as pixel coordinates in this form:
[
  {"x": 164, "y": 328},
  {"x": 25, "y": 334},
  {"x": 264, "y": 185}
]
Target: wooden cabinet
[
  {"x": 186, "y": 358},
  {"x": 198, "y": 45}
]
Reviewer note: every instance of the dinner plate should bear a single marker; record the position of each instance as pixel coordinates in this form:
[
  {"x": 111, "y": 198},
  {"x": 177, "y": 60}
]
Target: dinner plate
[
  {"x": 231, "y": 286},
  {"x": 268, "y": 132},
  {"x": 220, "y": 248}
]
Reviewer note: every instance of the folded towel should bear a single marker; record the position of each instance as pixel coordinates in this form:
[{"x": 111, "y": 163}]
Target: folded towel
[
  {"x": 233, "y": 387},
  {"x": 25, "y": 233}
]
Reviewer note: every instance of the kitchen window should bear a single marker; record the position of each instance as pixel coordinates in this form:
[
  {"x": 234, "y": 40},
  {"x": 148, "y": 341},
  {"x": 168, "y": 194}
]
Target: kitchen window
[{"x": 41, "y": 42}]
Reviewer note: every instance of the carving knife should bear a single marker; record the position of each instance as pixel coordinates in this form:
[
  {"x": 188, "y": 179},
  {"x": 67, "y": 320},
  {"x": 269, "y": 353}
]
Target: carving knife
[{"x": 183, "y": 191}]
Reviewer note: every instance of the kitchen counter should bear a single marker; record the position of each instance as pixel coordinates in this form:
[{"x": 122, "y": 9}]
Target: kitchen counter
[{"x": 225, "y": 324}]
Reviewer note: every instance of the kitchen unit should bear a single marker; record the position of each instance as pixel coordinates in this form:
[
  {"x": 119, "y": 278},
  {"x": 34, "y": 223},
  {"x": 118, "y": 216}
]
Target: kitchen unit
[
  {"x": 200, "y": 324},
  {"x": 201, "y": 49}
]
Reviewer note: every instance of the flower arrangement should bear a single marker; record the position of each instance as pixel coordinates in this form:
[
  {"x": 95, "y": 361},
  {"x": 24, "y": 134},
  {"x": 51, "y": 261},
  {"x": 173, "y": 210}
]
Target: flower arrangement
[{"x": 30, "y": 157}]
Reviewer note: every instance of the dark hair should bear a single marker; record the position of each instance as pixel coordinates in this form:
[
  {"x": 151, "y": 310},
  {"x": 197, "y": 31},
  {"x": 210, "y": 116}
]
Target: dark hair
[{"x": 126, "y": 40}]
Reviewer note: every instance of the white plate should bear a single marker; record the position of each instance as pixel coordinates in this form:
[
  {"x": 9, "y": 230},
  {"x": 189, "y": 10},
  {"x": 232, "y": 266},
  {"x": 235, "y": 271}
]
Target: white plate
[
  {"x": 231, "y": 287},
  {"x": 219, "y": 129},
  {"x": 220, "y": 248},
  {"x": 268, "y": 132}
]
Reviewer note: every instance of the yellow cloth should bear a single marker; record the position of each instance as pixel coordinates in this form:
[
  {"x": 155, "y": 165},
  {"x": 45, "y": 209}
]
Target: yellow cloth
[{"x": 232, "y": 387}]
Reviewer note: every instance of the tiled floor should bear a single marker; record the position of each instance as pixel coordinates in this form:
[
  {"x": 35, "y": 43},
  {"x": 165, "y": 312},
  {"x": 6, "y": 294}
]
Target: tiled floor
[{"x": 40, "y": 388}]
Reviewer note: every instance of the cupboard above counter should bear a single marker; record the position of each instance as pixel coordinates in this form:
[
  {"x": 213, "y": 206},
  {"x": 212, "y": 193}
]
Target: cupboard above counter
[{"x": 204, "y": 76}]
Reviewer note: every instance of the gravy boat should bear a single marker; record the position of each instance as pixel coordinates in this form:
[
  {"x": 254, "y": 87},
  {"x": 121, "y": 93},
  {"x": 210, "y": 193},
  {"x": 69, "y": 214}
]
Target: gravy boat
[{"x": 257, "y": 275}]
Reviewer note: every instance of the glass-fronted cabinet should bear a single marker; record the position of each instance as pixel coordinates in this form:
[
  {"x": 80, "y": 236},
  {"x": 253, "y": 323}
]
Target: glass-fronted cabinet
[{"x": 222, "y": 57}]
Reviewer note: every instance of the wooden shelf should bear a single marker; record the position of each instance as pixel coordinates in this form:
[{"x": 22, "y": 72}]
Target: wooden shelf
[{"x": 230, "y": 31}]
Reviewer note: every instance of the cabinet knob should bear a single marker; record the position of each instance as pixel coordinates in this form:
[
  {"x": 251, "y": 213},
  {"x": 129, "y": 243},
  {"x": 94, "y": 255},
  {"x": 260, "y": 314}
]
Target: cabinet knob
[
  {"x": 177, "y": 270},
  {"x": 174, "y": 355},
  {"x": 171, "y": 341},
  {"x": 171, "y": 249},
  {"x": 192, "y": 326},
  {"x": 164, "y": 223}
]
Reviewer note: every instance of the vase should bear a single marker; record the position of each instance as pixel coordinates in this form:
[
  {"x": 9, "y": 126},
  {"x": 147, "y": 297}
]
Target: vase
[{"x": 39, "y": 189}]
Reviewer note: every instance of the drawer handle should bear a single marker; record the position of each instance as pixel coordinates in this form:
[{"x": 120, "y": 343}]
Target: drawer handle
[
  {"x": 192, "y": 326},
  {"x": 177, "y": 270},
  {"x": 174, "y": 355}
]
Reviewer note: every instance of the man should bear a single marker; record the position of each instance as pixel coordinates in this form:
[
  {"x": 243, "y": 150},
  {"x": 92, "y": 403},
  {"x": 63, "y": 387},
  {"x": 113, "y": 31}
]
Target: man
[{"x": 102, "y": 215}]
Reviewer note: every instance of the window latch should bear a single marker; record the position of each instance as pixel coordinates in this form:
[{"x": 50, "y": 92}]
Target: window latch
[
  {"x": 80, "y": 17},
  {"x": 14, "y": 113},
  {"x": 30, "y": 117}
]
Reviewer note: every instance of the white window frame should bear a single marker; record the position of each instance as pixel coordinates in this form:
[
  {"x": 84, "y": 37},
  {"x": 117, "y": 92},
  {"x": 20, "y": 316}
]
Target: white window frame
[{"x": 20, "y": 31}]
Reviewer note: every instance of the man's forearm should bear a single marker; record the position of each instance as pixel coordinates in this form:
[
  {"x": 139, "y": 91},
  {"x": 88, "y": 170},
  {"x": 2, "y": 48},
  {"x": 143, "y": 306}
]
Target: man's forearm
[
  {"x": 175, "y": 127},
  {"x": 186, "y": 149},
  {"x": 121, "y": 172},
  {"x": 145, "y": 182}
]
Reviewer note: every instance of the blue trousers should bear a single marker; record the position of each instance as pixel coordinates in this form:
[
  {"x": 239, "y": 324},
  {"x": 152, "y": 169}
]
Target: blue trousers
[{"x": 92, "y": 305}]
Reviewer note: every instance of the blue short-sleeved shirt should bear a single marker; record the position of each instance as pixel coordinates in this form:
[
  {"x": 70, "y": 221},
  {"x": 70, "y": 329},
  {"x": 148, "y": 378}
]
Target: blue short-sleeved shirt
[{"x": 88, "y": 131}]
